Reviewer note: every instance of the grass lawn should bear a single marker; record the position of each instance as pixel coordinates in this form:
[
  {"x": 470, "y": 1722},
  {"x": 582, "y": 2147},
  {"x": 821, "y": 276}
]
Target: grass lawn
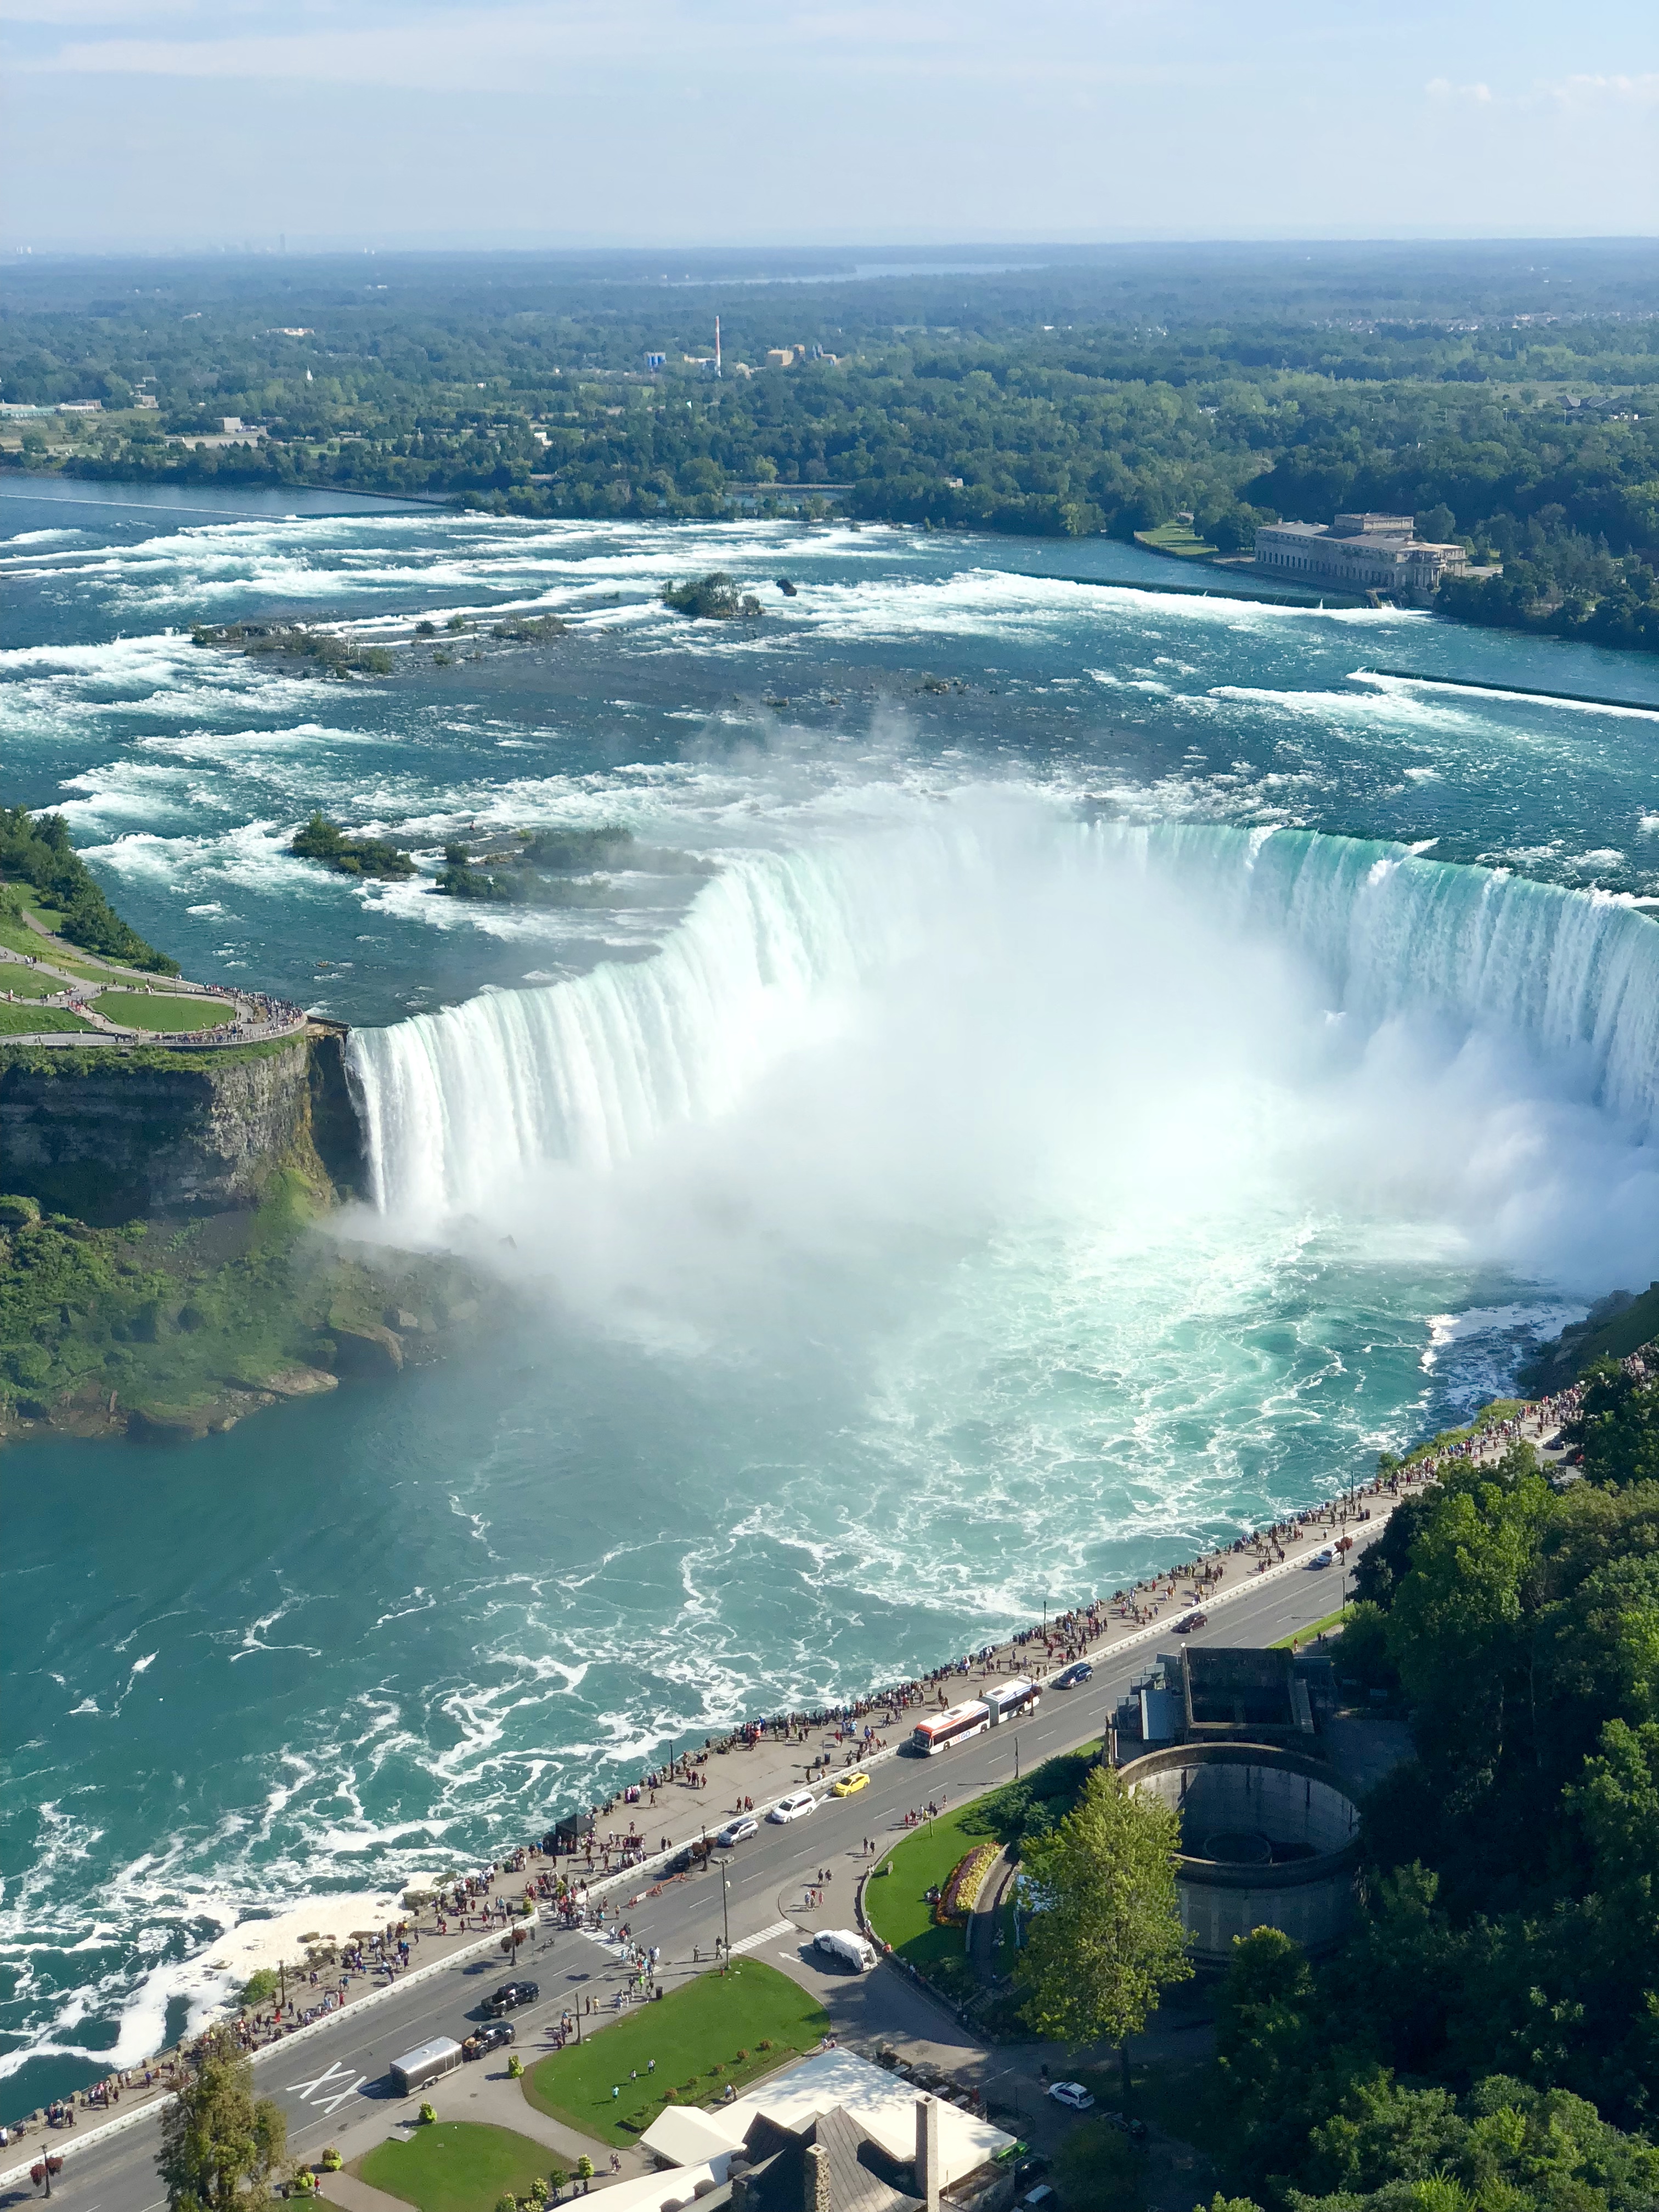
[
  {"x": 21, "y": 938},
  {"x": 897, "y": 1902},
  {"x": 1314, "y": 1628},
  {"x": 1176, "y": 538},
  {"x": 28, "y": 1020},
  {"x": 28, "y": 982},
  {"x": 137, "y": 1010},
  {"x": 706, "y": 2035},
  {"x": 455, "y": 2165}
]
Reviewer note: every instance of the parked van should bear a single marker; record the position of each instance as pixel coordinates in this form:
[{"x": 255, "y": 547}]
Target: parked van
[{"x": 847, "y": 1949}]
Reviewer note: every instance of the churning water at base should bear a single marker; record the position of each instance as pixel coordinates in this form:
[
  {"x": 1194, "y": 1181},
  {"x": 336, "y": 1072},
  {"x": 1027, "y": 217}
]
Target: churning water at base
[
  {"x": 1033, "y": 1150},
  {"x": 782, "y": 952}
]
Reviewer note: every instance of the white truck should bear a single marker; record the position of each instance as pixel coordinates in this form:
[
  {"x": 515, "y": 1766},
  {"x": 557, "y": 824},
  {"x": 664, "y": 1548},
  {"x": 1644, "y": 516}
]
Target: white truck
[{"x": 846, "y": 1948}]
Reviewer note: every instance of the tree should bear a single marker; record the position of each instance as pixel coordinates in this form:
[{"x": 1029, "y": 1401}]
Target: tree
[
  {"x": 584, "y": 2170},
  {"x": 1107, "y": 1938},
  {"x": 220, "y": 2149},
  {"x": 1098, "y": 2169}
]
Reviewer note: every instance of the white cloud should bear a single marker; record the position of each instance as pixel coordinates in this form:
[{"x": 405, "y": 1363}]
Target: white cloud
[
  {"x": 1600, "y": 91},
  {"x": 1442, "y": 87}
]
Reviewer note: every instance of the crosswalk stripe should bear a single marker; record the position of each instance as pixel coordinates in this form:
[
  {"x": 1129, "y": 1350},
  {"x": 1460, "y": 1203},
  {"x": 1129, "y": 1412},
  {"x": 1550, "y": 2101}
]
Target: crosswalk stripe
[{"x": 753, "y": 1942}]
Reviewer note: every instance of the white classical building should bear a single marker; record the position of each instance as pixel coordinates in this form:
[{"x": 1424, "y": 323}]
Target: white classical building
[{"x": 1358, "y": 554}]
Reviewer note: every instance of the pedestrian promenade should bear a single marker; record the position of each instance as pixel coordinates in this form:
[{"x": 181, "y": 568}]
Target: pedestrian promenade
[
  {"x": 248, "y": 1017},
  {"x": 591, "y": 1870}
]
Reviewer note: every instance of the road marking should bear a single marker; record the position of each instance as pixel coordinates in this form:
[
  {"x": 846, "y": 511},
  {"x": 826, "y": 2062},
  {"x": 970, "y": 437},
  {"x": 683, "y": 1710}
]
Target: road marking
[
  {"x": 766, "y": 1936},
  {"x": 342, "y": 2089}
]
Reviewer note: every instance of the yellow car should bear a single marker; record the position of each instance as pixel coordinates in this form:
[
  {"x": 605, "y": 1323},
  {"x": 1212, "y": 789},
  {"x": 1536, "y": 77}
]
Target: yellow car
[{"x": 845, "y": 1785}]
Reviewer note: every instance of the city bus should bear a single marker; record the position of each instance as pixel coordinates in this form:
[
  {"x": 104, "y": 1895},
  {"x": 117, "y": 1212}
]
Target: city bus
[
  {"x": 955, "y": 1725},
  {"x": 1008, "y": 1701}
]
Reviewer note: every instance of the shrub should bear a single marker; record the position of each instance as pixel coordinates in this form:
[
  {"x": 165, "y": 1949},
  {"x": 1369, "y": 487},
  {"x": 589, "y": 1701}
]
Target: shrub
[
  {"x": 515, "y": 2066},
  {"x": 713, "y": 597},
  {"x": 257, "y": 1987},
  {"x": 428, "y": 2114},
  {"x": 330, "y": 2161}
]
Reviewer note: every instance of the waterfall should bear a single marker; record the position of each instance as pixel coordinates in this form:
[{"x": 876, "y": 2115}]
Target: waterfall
[{"x": 460, "y": 1105}]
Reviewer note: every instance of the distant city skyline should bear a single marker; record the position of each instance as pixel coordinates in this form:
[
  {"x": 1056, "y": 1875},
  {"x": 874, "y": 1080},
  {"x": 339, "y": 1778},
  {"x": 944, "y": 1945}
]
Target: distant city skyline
[{"x": 170, "y": 125}]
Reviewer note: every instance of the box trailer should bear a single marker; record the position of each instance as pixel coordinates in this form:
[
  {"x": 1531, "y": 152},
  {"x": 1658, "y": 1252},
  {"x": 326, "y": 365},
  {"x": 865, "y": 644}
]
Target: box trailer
[{"x": 426, "y": 2062}]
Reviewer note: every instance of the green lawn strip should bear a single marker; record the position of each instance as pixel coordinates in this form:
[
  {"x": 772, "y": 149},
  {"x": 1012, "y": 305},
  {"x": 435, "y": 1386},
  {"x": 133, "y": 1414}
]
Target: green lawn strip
[
  {"x": 30, "y": 1019},
  {"x": 141, "y": 1010},
  {"x": 897, "y": 1902},
  {"x": 18, "y": 937},
  {"x": 1176, "y": 538},
  {"x": 455, "y": 2165},
  {"x": 1314, "y": 1628},
  {"x": 704, "y": 2038},
  {"x": 28, "y": 982}
]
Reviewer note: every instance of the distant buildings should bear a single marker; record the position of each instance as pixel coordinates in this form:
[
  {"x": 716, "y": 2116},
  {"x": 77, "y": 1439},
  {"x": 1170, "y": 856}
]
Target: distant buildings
[
  {"x": 787, "y": 356},
  {"x": 1358, "y": 554}
]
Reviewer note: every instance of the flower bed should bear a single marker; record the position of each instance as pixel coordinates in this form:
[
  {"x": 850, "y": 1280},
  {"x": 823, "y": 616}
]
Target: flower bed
[{"x": 959, "y": 1895}]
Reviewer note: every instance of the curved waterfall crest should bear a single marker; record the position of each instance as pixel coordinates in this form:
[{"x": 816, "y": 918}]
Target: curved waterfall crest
[{"x": 773, "y": 949}]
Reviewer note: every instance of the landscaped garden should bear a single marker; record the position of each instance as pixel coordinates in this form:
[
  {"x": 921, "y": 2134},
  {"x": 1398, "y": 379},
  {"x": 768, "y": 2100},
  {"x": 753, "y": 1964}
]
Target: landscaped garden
[
  {"x": 897, "y": 1902},
  {"x": 456, "y": 2166},
  {"x": 718, "y": 2031}
]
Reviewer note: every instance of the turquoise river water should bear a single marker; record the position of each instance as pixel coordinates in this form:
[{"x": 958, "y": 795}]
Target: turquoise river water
[{"x": 1036, "y": 1100}]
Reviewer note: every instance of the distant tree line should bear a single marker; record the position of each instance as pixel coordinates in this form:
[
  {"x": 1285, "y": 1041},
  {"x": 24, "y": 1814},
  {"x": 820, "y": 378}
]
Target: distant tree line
[{"x": 1060, "y": 402}]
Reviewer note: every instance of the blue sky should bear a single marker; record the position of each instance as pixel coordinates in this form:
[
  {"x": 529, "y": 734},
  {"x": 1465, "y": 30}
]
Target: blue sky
[{"x": 172, "y": 122}]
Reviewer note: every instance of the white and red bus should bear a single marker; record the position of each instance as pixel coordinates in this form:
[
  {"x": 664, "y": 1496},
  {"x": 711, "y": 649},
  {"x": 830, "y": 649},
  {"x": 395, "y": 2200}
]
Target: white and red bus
[
  {"x": 1009, "y": 1700},
  {"x": 954, "y": 1725}
]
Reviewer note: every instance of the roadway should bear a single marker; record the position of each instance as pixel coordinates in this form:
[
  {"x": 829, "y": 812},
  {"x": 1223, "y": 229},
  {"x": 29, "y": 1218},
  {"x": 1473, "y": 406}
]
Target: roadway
[{"x": 336, "y": 2078}]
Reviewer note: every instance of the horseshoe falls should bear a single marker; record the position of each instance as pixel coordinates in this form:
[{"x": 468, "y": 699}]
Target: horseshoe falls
[
  {"x": 463, "y": 1109},
  {"x": 980, "y": 1142}
]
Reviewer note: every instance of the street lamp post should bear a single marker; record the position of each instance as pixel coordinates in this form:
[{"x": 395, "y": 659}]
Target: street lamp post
[{"x": 726, "y": 1914}]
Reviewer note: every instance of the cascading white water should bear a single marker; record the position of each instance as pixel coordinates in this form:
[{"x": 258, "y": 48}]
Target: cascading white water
[{"x": 461, "y": 1105}]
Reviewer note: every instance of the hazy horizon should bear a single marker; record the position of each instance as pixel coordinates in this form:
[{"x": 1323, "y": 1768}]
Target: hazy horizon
[{"x": 418, "y": 125}]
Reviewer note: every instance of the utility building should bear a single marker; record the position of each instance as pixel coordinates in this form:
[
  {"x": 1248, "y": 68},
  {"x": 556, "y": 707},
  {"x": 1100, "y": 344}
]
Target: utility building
[{"x": 1359, "y": 554}]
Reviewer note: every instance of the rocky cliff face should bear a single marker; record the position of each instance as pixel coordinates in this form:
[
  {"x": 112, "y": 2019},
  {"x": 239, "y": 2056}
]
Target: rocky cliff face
[{"x": 109, "y": 1137}]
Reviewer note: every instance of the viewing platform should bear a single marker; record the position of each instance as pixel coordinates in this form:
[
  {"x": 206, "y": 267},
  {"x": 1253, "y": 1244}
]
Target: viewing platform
[{"x": 227, "y": 1017}]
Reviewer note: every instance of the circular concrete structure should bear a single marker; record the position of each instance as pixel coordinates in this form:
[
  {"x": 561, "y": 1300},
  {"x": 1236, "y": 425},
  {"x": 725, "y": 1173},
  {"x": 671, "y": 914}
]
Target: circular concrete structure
[{"x": 1270, "y": 1838}]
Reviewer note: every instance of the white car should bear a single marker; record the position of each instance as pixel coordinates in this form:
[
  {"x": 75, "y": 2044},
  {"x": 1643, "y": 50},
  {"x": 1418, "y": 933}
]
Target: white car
[
  {"x": 795, "y": 1807},
  {"x": 737, "y": 1831},
  {"x": 1072, "y": 2095}
]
